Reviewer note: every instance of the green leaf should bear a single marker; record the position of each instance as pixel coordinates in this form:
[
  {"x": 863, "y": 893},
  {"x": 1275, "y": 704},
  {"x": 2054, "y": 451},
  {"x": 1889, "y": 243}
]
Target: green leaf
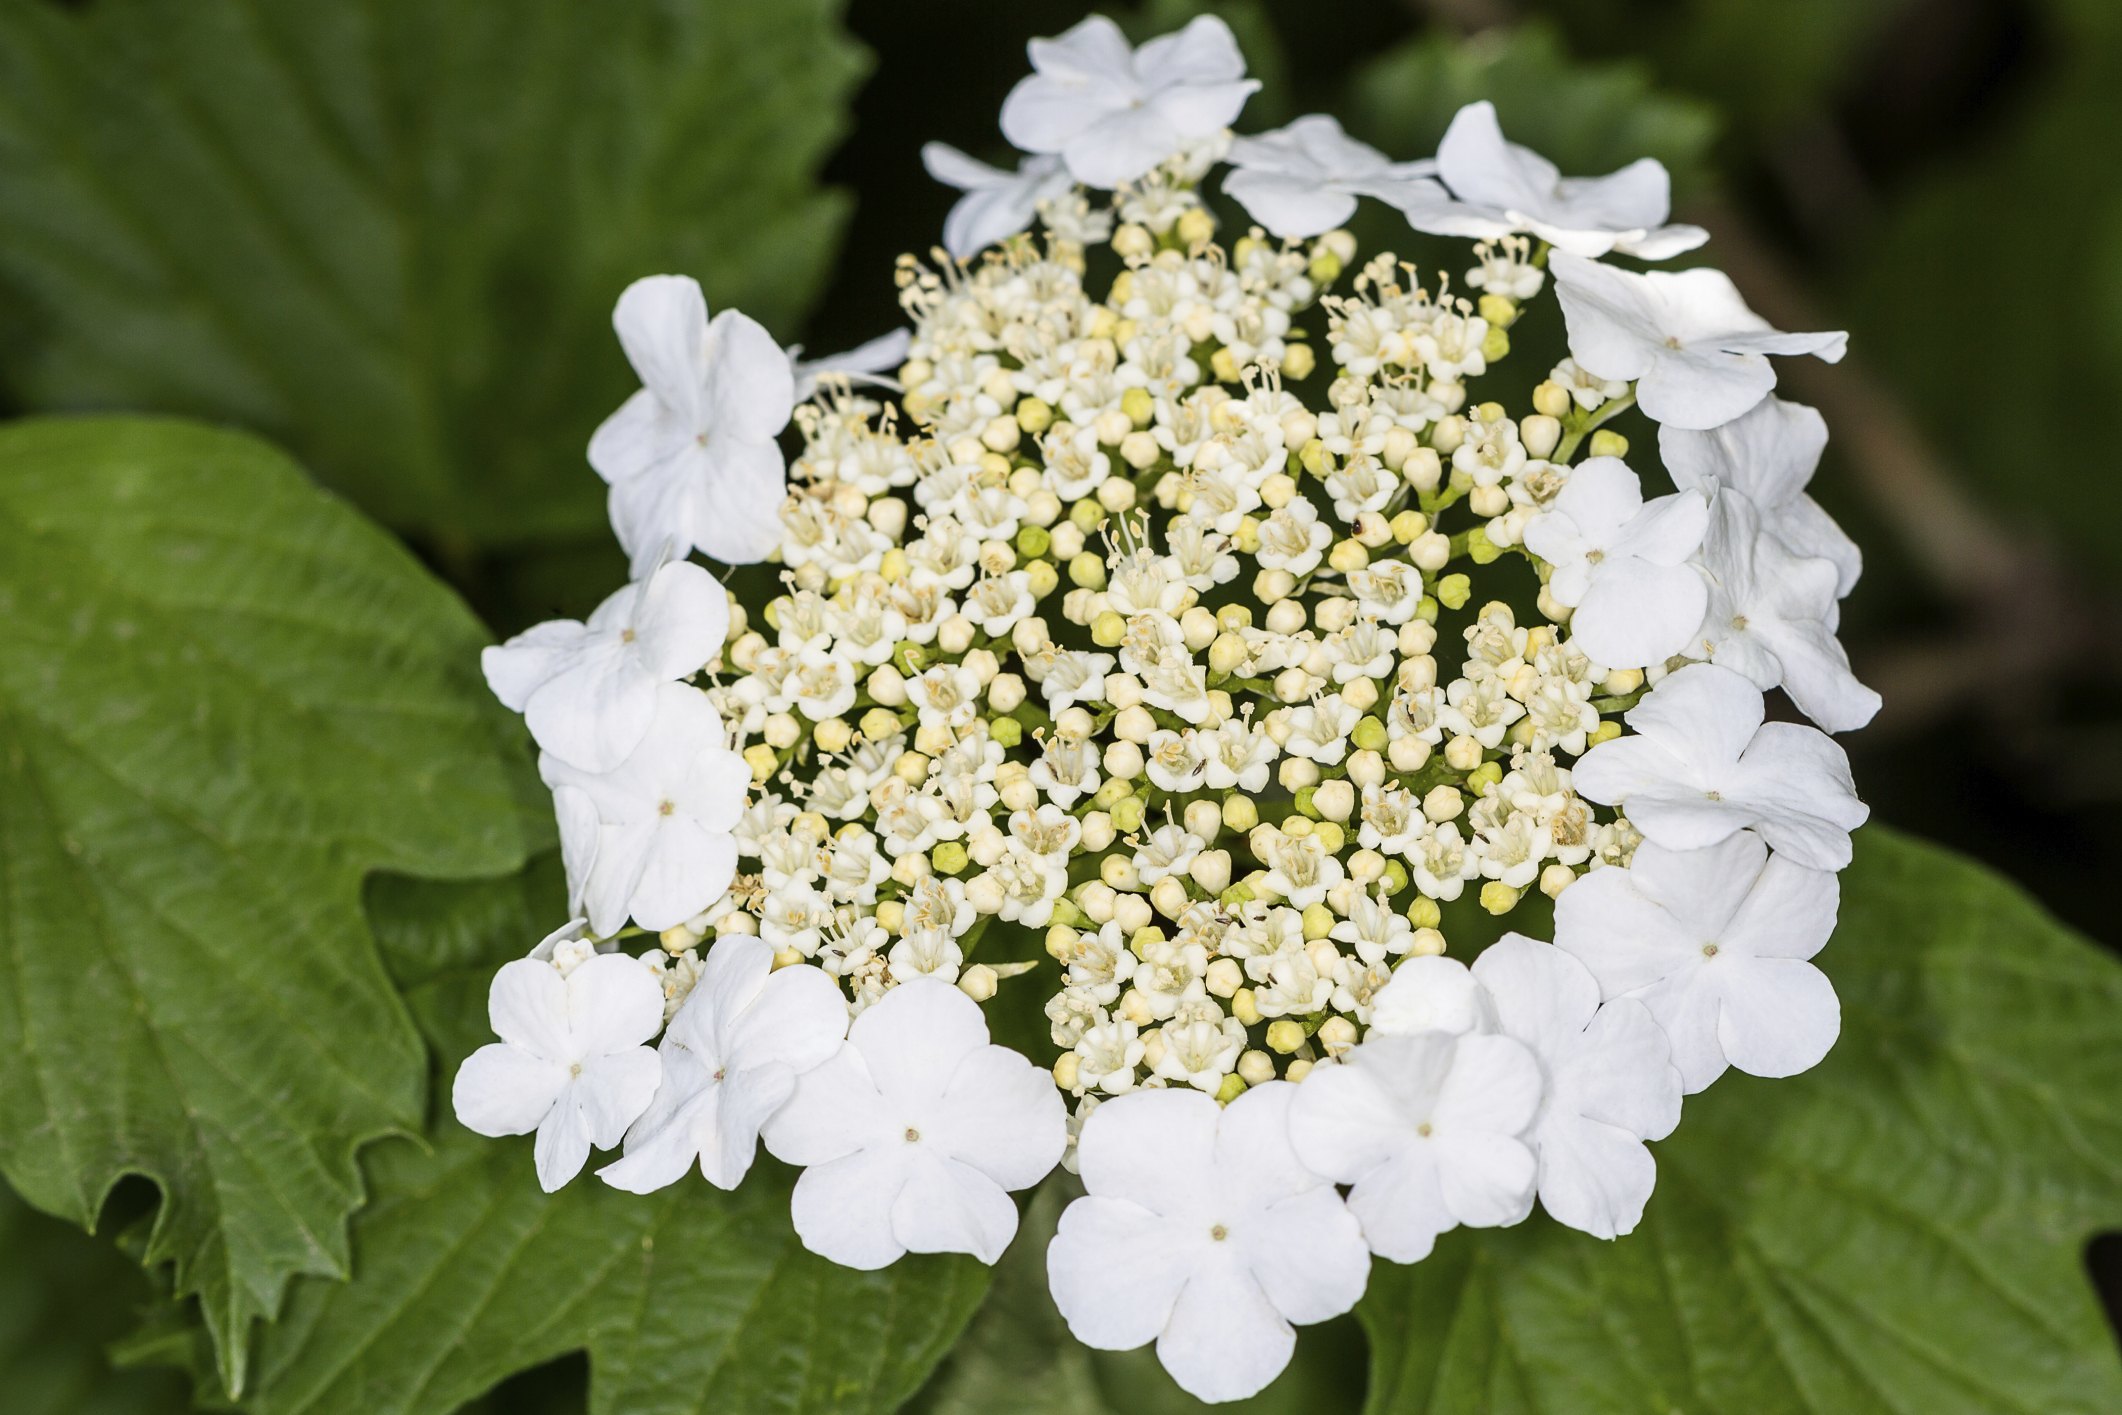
[
  {"x": 224, "y": 698},
  {"x": 1900, "y": 1229},
  {"x": 689, "y": 1300},
  {"x": 64, "y": 1297},
  {"x": 1587, "y": 118},
  {"x": 389, "y": 234}
]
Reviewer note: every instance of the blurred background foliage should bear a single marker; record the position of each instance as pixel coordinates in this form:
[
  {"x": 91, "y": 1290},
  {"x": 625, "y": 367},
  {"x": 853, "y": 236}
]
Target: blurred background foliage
[{"x": 388, "y": 235}]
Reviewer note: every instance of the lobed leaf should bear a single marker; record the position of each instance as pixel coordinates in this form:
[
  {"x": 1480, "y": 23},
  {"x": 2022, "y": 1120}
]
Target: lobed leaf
[{"x": 224, "y": 698}]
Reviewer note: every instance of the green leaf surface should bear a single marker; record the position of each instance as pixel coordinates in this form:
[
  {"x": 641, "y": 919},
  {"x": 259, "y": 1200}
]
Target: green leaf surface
[
  {"x": 224, "y": 698},
  {"x": 688, "y": 1300},
  {"x": 389, "y": 234},
  {"x": 63, "y": 1297},
  {"x": 1586, "y": 118},
  {"x": 1901, "y": 1229}
]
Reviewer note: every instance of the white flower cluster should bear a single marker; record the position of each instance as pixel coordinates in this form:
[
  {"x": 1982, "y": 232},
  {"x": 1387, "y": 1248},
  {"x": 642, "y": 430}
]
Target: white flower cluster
[{"x": 1128, "y": 610}]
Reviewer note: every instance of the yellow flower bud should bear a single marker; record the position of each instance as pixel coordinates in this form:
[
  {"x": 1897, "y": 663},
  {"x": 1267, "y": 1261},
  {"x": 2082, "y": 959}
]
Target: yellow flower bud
[
  {"x": 1108, "y": 629},
  {"x": 1285, "y": 1035},
  {"x": 1498, "y": 897},
  {"x": 1423, "y": 913},
  {"x": 1298, "y": 361},
  {"x": 1605, "y": 443},
  {"x": 1409, "y": 524},
  {"x": 1244, "y": 1006},
  {"x": 761, "y": 759},
  {"x": 1454, "y": 590},
  {"x": 1501, "y": 311}
]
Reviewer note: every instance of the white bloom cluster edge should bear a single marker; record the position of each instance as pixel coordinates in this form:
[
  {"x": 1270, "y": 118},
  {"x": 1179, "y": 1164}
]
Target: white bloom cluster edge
[{"x": 1277, "y": 1075}]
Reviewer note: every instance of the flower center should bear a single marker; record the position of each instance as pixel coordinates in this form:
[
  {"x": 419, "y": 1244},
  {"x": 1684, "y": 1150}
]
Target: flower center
[
  {"x": 1709, "y": 950},
  {"x": 667, "y": 808},
  {"x": 913, "y": 1136},
  {"x": 1218, "y": 1233},
  {"x": 626, "y": 636},
  {"x": 1423, "y": 1129},
  {"x": 575, "y": 1070}
]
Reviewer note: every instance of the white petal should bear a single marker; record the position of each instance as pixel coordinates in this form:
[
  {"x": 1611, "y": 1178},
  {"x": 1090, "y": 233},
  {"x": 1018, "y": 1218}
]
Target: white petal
[
  {"x": 748, "y": 1099},
  {"x": 1002, "y": 1116},
  {"x": 1225, "y": 1341},
  {"x": 1400, "y": 1205},
  {"x": 504, "y": 1090},
  {"x": 580, "y": 841},
  {"x": 1307, "y": 1253},
  {"x": 642, "y": 436},
  {"x": 797, "y": 1018},
  {"x": 612, "y": 1092},
  {"x": 956, "y": 169},
  {"x": 1594, "y": 1177},
  {"x": 835, "y": 1111},
  {"x": 613, "y": 1003},
  {"x": 658, "y": 1155},
  {"x": 751, "y": 388},
  {"x": 527, "y": 1006},
  {"x": 1289, "y": 206},
  {"x": 1703, "y": 714},
  {"x": 1694, "y": 387},
  {"x": 682, "y": 620},
  {"x": 1204, "y": 52},
  {"x": 1620, "y": 1072},
  {"x": 842, "y": 1209},
  {"x": 1769, "y": 454},
  {"x": 1540, "y": 992},
  {"x": 661, "y": 321},
  {"x": 1120, "y": 147},
  {"x": 687, "y": 868},
  {"x": 1789, "y": 912},
  {"x": 562, "y": 1146},
  {"x": 1100, "y": 1236},
  {"x": 1150, "y": 1147},
  {"x": 1429, "y": 994},
  {"x": 736, "y": 518},
  {"x": 515, "y": 669},
  {"x": 1343, "y": 1121},
  {"x": 1636, "y": 614},
  {"x": 915, "y": 1037},
  {"x": 1780, "y": 1017},
  {"x": 949, "y": 1207}
]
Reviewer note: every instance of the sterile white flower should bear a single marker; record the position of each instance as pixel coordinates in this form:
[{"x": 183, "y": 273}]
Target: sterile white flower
[
  {"x": 1702, "y": 766},
  {"x": 652, "y": 839},
  {"x": 997, "y": 204},
  {"x": 587, "y": 691},
  {"x": 1427, "y": 1129},
  {"x": 1770, "y": 455},
  {"x": 1304, "y": 179},
  {"x": 914, "y": 1133},
  {"x": 1203, "y": 1231},
  {"x": 1621, "y": 563},
  {"x": 730, "y": 1060},
  {"x": 1697, "y": 354},
  {"x": 1113, "y": 112},
  {"x": 1771, "y": 616},
  {"x": 1512, "y": 188},
  {"x": 1715, "y": 943},
  {"x": 1610, "y": 1082},
  {"x": 571, "y": 1064},
  {"x": 691, "y": 457}
]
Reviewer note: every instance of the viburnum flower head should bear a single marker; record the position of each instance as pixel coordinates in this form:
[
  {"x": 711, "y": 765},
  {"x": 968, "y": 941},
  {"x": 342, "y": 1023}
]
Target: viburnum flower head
[
  {"x": 1504, "y": 188},
  {"x": 1112, "y": 111},
  {"x": 731, "y": 1058},
  {"x": 587, "y": 691},
  {"x": 691, "y": 458},
  {"x": 1697, "y": 354},
  {"x": 1621, "y": 563},
  {"x": 1132, "y": 637},
  {"x": 1716, "y": 943},
  {"x": 1202, "y": 1230},
  {"x": 650, "y": 840},
  {"x": 914, "y": 1132},
  {"x": 1703, "y": 765},
  {"x": 572, "y": 1063}
]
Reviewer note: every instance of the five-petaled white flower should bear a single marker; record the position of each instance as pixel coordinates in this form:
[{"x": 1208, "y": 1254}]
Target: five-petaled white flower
[
  {"x": 1427, "y": 1129},
  {"x": 997, "y": 204},
  {"x": 730, "y": 1060},
  {"x": 1772, "y": 615},
  {"x": 1610, "y": 1082},
  {"x": 1621, "y": 563},
  {"x": 691, "y": 458},
  {"x": 1769, "y": 455},
  {"x": 1502, "y": 187},
  {"x": 914, "y": 1133},
  {"x": 1204, "y": 1232},
  {"x": 1702, "y": 766},
  {"x": 572, "y": 1062},
  {"x": 588, "y": 690},
  {"x": 1697, "y": 354},
  {"x": 651, "y": 838},
  {"x": 1715, "y": 943},
  {"x": 1113, "y": 112},
  {"x": 1304, "y": 179}
]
